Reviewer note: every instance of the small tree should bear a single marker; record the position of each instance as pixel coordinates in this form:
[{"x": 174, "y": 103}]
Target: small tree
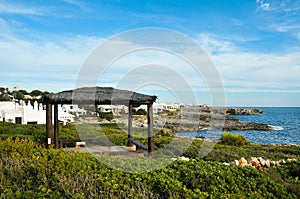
[
  {"x": 23, "y": 92},
  {"x": 4, "y": 97},
  {"x": 107, "y": 116},
  {"x": 36, "y": 93},
  {"x": 18, "y": 95},
  {"x": 139, "y": 112},
  {"x": 45, "y": 92}
]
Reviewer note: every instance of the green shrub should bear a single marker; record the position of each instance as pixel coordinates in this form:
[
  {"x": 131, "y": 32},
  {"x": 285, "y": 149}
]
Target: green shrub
[
  {"x": 288, "y": 175},
  {"x": 234, "y": 139},
  {"x": 193, "y": 150},
  {"x": 139, "y": 112},
  {"x": 107, "y": 116}
]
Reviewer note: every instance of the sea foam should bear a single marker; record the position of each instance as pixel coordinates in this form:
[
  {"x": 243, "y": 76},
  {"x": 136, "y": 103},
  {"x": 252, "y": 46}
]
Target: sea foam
[{"x": 277, "y": 128}]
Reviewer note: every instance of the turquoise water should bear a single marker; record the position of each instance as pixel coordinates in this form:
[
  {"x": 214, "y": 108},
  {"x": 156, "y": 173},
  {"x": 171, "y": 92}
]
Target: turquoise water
[{"x": 286, "y": 121}]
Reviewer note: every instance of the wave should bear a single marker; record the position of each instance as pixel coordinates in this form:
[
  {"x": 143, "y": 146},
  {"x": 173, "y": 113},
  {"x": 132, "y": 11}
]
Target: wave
[
  {"x": 204, "y": 129},
  {"x": 277, "y": 128}
]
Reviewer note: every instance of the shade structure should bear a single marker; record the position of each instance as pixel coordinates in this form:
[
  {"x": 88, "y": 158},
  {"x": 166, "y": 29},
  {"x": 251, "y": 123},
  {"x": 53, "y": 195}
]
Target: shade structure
[{"x": 98, "y": 96}]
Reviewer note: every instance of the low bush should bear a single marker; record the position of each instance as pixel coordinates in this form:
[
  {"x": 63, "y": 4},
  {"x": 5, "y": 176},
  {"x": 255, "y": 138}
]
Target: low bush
[
  {"x": 234, "y": 139},
  {"x": 139, "y": 112},
  {"x": 106, "y": 115},
  {"x": 290, "y": 175}
]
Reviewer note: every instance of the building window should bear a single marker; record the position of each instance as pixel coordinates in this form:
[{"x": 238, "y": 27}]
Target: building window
[{"x": 18, "y": 120}]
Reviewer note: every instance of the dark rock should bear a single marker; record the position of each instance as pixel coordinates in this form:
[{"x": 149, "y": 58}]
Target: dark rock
[
  {"x": 243, "y": 111},
  {"x": 195, "y": 118}
]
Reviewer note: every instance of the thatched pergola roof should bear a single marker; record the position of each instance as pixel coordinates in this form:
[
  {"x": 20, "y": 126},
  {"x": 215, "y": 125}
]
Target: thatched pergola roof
[{"x": 98, "y": 95}]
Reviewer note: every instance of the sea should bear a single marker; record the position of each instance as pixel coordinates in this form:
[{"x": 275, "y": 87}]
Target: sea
[{"x": 284, "y": 120}]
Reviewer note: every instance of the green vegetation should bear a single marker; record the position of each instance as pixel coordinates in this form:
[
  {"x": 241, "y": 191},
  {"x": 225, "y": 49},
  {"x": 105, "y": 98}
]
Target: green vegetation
[
  {"x": 34, "y": 132},
  {"x": 234, "y": 139},
  {"x": 289, "y": 175},
  {"x": 36, "y": 93},
  {"x": 224, "y": 153},
  {"x": 107, "y": 116},
  {"x": 5, "y": 94},
  {"x": 28, "y": 170},
  {"x": 139, "y": 112}
]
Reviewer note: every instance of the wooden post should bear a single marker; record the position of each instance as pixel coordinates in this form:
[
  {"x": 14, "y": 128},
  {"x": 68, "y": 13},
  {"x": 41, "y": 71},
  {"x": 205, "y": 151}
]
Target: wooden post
[
  {"x": 129, "y": 142},
  {"x": 56, "y": 126},
  {"x": 48, "y": 124},
  {"x": 150, "y": 128}
]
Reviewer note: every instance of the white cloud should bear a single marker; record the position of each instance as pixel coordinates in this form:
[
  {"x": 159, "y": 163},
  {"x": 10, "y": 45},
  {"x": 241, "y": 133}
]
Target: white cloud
[
  {"x": 293, "y": 30},
  {"x": 253, "y": 71},
  {"x": 79, "y": 4},
  {"x": 284, "y": 27},
  {"x": 263, "y": 5},
  {"x": 43, "y": 62},
  {"x": 237, "y": 22},
  {"x": 214, "y": 45},
  {"x": 19, "y": 9},
  {"x": 3, "y": 22},
  {"x": 144, "y": 61},
  {"x": 278, "y": 6},
  {"x": 297, "y": 35},
  {"x": 289, "y": 5},
  {"x": 54, "y": 64},
  {"x": 259, "y": 71}
]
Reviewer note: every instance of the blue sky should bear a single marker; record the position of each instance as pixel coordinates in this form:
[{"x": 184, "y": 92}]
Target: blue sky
[{"x": 254, "y": 44}]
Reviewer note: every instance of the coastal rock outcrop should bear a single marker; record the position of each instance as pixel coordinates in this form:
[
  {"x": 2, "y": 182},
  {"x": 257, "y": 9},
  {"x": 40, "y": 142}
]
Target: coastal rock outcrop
[
  {"x": 194, "y": 118},
  {"x": 243, "y": 111},
  {"x": 232, "y": 123}
]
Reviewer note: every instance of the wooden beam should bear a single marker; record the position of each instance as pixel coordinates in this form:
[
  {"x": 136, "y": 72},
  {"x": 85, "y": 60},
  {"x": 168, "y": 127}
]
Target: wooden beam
[
  {"x": 129, "y": 142},
  {"x": 150, "y": 128},
  {"x": 48, "y": 124},
  {"x": 56, "y": 130}
]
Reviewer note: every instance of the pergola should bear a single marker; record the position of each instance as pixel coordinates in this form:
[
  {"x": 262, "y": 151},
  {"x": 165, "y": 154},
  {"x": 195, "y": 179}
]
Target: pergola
[{"x": 97, "y": 96}]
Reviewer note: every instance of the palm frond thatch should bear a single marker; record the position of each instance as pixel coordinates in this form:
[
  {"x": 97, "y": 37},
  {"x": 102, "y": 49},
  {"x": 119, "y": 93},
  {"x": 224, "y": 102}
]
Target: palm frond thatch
[{"x": 98, "y": 95}]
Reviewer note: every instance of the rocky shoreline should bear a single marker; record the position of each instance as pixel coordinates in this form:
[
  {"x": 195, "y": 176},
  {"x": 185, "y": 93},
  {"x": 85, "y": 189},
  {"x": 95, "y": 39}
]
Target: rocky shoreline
[
  {"x": 243, "y": 111},
  {"x": 194, "y": 118}
]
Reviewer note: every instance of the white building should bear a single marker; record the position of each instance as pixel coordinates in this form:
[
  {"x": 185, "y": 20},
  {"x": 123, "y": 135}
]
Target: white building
[
  {"x": 73, "y": 109},
  {"x": 105, "y": 108},
  {"x": 22, "y": 113},
  {"x": 115, "y": 109},
  {"x": 27, "y": 97},
  {"x": 159, "y": 108}
]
